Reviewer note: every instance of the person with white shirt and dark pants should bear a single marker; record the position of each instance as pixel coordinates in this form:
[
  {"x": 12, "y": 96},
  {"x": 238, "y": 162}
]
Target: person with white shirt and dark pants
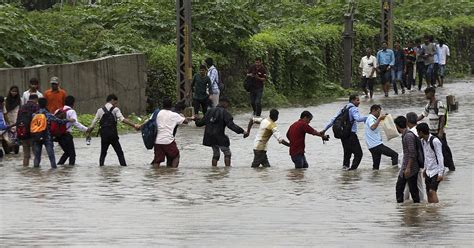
[
  {"x": 66, "y": 141},
  {"x": 368, "y": 64},
  {"x": 107, "y": 117},
  {"x": 434, "y": 161}
]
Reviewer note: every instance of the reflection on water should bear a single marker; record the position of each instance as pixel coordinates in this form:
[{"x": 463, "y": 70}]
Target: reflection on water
[{"x": 196, "y": 204}]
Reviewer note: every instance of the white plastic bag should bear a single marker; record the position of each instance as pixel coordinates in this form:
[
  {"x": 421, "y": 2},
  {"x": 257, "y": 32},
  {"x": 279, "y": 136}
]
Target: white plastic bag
[{"x": 389, "y": 128}]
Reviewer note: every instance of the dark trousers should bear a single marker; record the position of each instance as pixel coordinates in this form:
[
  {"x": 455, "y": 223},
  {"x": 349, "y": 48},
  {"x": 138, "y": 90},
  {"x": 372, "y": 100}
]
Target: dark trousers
[
  {"x": 260, "y": 158},
  {"x": 447, "y": 154},
  {"x": 351, "y": 145},
  {"x": 420, "y": 71},
  {"x": 429, "y": 71},
  {"x": 300, "y": 161},
  {"x": 409, "y": 80},
  {"x": 200, "y": 103},
  {"x": 377, "y": 155},
  {"x": 256, "y": 101},
  {"x": 105, "y": 142},
  {"x": 400, "y": 188},
  {"x": 66, "y": 143}
]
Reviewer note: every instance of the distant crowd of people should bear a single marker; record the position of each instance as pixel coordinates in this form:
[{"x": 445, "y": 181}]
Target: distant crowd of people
[
  {"x": 400, "y": 67},
  {"x": 35, "y": 120}
]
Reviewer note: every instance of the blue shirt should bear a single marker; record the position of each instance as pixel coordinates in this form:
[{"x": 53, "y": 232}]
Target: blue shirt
[
  {"x": 385, "y": 57},
  {"x": 3, "y": 124},
  {"x": 354, "y": 117},
  {"x": 372, "y": 136}
]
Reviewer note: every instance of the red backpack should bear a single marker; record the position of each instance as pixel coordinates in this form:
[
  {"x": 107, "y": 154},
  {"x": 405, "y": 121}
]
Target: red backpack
[
  {"x": 57, "y": 129},
  {"x": 24, "y": 121}
]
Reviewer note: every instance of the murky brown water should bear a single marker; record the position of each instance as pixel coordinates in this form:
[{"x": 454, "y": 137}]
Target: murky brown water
[{"x": 197, "y": 205}]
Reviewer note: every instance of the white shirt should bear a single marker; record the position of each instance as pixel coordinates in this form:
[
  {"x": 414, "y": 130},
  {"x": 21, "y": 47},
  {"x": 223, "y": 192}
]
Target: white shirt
[
  {"x": 266, "y": 129},
  {"x": 443, "y": 54},
  {"x": 366, "y": 68},
  {"x": 432, "y": 167},
  {"x": 413, "y": 130},
  {"x": 100, "y": 112},
  {"x": 26, "y": 96},
  {"x": 71, "y": 114},
  {"x": 166, "y": 121}
]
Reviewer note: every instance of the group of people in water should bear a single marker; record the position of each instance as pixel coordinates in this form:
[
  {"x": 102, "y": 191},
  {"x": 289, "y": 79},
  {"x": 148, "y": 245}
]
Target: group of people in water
[{"x": 36, "y": 121}]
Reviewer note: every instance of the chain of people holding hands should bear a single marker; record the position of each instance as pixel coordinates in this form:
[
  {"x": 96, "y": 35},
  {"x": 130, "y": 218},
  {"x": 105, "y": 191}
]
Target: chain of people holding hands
[{"x": 35, "y": 121}]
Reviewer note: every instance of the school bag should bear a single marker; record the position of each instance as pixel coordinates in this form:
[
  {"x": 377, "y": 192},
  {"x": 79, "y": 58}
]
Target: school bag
[
  {"x": 219, "y": 82},
  {"x": 150, "y": 130},
  {"x": 108, "y": 122},
  {"x": 39, "y": 127},
  {"x": 59, "y": 129},
  {"x": 248, "y": 83},
  {"x": 432, "y": 147},
  {"x": 23, "y": 124},
  {"x": 420, "y": 154},
  {"x": 342, "y": 125}
]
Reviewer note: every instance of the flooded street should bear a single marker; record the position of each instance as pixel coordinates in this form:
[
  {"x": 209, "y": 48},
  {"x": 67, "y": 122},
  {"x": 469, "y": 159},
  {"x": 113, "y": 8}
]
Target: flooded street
[{"x": 196, "y": 205}]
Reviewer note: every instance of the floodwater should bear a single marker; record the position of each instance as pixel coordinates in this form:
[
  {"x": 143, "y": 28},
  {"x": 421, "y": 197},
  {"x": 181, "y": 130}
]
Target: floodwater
[{"x": 199, "y": 206}]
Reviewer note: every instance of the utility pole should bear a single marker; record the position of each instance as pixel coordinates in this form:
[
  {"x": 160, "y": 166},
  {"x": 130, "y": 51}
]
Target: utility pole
[
  {"x": 184, "y": 56},
  {"x": 387, "y": 22},
  {"x": 348, "y": 44}
]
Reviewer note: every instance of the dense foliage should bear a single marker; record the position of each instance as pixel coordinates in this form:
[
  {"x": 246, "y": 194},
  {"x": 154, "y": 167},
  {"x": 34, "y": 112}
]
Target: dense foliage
[{"x": 300, "y": 41}]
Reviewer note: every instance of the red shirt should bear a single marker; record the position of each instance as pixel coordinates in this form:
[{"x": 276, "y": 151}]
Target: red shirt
[
  {"x": 261, "y": 73},
  {"x": 296, "y": 134}
]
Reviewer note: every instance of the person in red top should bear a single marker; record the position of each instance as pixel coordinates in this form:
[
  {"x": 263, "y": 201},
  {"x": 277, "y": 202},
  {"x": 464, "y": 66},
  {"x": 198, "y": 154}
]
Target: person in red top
[
  {"x": 55, "y": 96},
  {"x": 296, "y": 135}
]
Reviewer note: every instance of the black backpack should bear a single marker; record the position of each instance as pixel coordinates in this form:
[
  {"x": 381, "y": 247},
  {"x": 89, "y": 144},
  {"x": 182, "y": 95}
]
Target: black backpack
[
  {"x": 108, "y": 120},
  {"x": 342, "y": 125},
  {"x": 420, "y": 154},
  {"x": 432, "y": 147},
  {"x": 23, "y": 124},
  {"x": 248, "y": 83}
]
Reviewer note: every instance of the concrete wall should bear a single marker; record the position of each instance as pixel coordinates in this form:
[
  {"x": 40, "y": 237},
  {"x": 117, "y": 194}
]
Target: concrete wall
[{"x": 89, "y": 81}]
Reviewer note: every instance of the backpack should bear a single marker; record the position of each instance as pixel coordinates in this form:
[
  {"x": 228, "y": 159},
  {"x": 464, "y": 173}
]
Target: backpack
[
  {"x": 108, "y": 123},
  {"x": 23, "y": 124},
  {"x": 108, "y": 119},
  {"x": 150, "y": 130},
  {"x": 342, "y": 125},
  {"x": 432, "y": 147},
  {"x": 219, "y": 82},
  {"x": 420, "y": 154},
  {"x": 436, "y": 109},
  {"x": 39, "y": 127},
  {"x": 57, "y": 129},
  {"x": 248, "y": 84}
]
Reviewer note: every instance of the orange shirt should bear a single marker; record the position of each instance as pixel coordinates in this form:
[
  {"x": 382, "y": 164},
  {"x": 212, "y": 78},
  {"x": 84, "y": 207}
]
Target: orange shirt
[{"x": 55, "y": 99}]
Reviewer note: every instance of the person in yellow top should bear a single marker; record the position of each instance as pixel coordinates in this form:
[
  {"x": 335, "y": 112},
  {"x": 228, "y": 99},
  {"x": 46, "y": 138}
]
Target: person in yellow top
[
  {"x": 267, "y": 128},
  {"x": 55, "y": 96}
]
